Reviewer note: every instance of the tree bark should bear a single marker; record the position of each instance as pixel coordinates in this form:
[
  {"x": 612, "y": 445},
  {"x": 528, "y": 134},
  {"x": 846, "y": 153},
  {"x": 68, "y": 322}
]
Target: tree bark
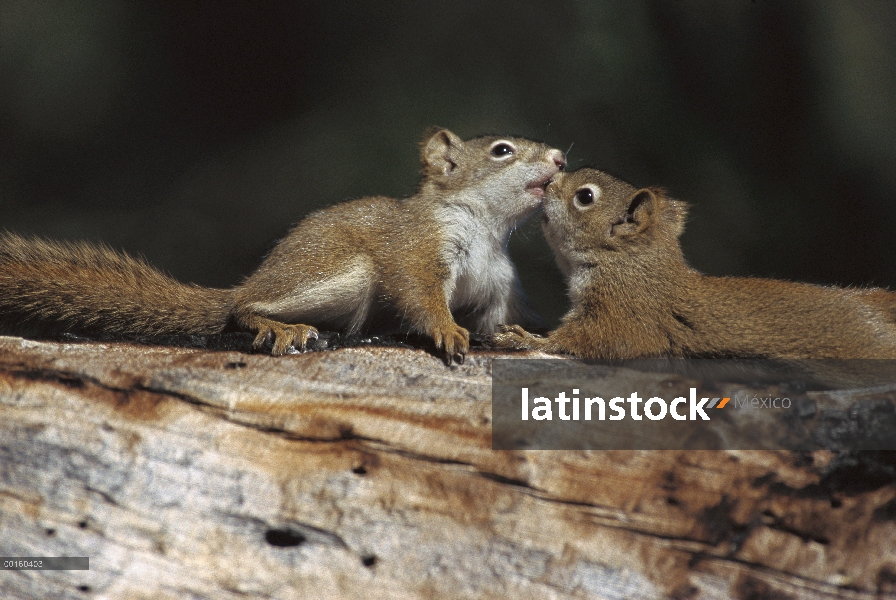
[{"x": 368, "y": 473}]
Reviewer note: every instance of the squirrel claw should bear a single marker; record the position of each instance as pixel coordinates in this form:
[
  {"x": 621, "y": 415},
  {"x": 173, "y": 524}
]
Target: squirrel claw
[
  {"x": 264, "y": 335},
  {"x": 512, "y": 336},
  {"x": 515, "y": 329},
  {"x": 285, "y": 337},
  {"x": 454, "y": 339}
]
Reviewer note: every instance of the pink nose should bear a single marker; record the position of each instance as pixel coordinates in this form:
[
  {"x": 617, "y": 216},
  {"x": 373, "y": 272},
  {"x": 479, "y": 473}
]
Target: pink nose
[{"x": 557, "y": 157}]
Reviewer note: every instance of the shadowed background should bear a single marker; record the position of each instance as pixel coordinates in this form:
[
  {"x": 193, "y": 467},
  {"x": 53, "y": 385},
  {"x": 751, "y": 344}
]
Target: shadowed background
[{"x": 197, "y": 134}]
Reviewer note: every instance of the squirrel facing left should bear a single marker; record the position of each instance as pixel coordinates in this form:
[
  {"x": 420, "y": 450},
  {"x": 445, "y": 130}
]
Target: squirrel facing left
[
  {"x": 440, "y": 250},
  {"x": 635, "y": 296}
]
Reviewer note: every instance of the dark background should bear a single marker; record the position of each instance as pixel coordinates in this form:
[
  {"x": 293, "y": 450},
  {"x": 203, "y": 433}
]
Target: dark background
[{"x": 196, "y": 134}]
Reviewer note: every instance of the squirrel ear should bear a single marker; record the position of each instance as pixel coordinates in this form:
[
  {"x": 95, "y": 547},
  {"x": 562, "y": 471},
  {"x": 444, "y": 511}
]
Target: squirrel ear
[
  {"x": 440, "y": 151},
  {"x": 676, "y": 213},
  {"x": 649, "y": 206},
  {"x": 639, "y": 214}
]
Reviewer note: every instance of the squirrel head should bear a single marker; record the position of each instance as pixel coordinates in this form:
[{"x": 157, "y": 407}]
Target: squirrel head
[
  {"x": 589, "y": 212},
  {"x": 504, "y": 177}
]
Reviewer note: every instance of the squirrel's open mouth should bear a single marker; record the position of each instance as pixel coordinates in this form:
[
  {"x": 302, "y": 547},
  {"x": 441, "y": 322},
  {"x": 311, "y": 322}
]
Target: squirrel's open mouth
[{"x": 538, "y": 187}]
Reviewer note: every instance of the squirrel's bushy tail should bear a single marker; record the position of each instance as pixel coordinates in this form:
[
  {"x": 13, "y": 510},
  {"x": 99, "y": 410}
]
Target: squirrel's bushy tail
[{"x": 49, "y": 288}]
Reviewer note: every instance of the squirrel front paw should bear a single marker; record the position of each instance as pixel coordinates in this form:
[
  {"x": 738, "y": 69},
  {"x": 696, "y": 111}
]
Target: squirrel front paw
[
  {"x": 454, "y": 339},
  {"x": 514, "y": 337},
  {"x": 284, "y": 336}
]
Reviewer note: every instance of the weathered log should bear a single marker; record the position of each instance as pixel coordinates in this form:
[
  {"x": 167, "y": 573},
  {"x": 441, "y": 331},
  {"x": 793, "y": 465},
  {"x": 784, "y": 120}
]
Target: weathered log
[{"x": 368, "y": 473}]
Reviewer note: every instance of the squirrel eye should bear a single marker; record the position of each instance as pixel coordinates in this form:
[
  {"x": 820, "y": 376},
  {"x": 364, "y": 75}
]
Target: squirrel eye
[
  {"x": 502, "y": 149},
  {"x": 585, "y": 196}
]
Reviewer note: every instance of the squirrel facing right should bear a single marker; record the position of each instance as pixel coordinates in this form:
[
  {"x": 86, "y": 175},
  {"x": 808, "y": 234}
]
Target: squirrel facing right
[
  {"x": 421, "y": 259},
  {"x": 634, "y": 295}
]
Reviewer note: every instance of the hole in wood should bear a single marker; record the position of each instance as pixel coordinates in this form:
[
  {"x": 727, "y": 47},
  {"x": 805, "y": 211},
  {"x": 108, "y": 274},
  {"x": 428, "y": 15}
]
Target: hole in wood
[
  {"x": 368, "y": 561},
  {"x": 283, "y": 538}
]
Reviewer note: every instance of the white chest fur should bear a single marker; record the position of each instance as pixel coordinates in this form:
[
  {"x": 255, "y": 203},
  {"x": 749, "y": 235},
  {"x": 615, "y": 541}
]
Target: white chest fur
[{"x": 482, "y": 277}]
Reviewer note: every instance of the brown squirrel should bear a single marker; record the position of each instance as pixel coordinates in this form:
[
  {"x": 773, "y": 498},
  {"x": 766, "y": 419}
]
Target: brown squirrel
[
  {"x": 634, "y": 295},
  {"x": 443, "y": 249}
]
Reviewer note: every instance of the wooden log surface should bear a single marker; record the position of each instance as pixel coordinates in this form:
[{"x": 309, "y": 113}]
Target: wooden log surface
[{"x": 368, "y": 473}]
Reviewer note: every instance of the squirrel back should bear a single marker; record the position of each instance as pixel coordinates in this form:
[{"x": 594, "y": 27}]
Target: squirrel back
[
  {"x": 634, "y": 294},
  {"x": 48, "y": 288}
]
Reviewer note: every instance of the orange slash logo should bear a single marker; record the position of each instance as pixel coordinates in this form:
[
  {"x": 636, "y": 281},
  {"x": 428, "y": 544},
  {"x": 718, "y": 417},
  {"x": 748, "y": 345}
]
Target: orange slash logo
[{"x": 715, "y": 403}]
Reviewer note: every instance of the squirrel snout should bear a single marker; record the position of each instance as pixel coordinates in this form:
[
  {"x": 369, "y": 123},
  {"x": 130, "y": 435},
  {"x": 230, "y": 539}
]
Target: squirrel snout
[{"x": 557, "y": 157}]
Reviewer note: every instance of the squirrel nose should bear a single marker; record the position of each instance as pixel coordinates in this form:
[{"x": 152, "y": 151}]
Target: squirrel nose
[{"x": 558, "y": 158}]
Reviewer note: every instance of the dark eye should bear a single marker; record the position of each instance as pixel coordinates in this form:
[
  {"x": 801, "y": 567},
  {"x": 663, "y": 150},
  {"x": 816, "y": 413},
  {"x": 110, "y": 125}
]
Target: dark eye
[
  {"x": 502, "y": 150},
  {"x": 585, "y": 196}
]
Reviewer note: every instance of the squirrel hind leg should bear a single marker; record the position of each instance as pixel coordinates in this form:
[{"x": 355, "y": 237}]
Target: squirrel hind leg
[{"x": 342, "y": 301}]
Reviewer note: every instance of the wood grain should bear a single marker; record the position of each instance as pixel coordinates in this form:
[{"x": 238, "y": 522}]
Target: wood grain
[{"x": 369, "y": 473}]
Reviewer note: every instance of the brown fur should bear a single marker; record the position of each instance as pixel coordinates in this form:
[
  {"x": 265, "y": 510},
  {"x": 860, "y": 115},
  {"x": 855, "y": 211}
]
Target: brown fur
[
  {"x": 48, "y": 288},
  {"x": 635, "y": 296},
  {"x": 337, "y": 267}
]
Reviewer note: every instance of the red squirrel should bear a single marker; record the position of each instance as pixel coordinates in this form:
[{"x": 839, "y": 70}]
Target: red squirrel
[
  {"x": 440, "y": 250},
  {"x": 634, "y": 295}
]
